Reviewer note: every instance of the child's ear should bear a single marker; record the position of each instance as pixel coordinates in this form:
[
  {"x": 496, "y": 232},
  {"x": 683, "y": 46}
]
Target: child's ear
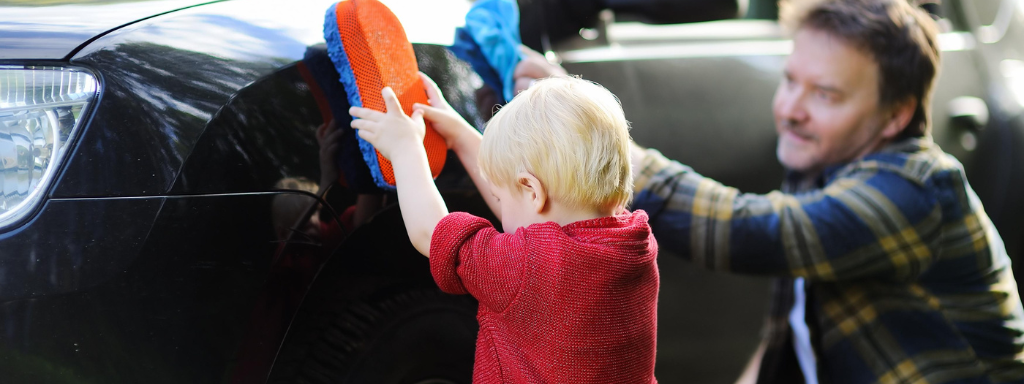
[{"x": 533, "y": 191}]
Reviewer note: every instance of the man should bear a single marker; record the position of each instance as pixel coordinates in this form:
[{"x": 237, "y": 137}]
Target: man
[{"x": 890, "y": 270}]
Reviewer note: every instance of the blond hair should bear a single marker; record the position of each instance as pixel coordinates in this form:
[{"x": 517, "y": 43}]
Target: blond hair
[{"x": 569, "y": 133}]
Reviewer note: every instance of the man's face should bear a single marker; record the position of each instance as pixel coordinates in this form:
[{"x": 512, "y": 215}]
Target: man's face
[{"x": 826, "y": 107}]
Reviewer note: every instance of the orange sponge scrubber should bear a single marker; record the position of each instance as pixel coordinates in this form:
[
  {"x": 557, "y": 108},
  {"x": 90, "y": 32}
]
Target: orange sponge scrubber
[{"x": 370, "y": 50}]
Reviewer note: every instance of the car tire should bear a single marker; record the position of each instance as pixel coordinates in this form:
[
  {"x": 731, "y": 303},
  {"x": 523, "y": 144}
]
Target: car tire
[{"x": 417, "y": 336}]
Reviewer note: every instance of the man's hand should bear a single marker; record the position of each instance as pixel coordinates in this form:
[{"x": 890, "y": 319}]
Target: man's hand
[
  {"x": 534, "y": 66},
  {"x": 457, "y": 133},
  {"x": 390, "y": 132}
]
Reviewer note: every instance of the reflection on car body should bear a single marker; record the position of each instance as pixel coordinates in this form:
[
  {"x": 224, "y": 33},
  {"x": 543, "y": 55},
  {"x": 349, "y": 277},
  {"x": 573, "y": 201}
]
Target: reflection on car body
[{"x": 188, "y": 236}]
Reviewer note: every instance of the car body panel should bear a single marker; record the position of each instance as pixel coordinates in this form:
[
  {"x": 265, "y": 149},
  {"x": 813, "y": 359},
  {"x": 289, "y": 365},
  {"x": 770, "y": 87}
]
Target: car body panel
[
  {"x": 143, "y": 67},
  {"x": 163, "y": 80},
  {"x": 53, "y": 32},
  {"x": 116, "y": 304},
  {"x": 69, "y": 246},
  {"x": 157, "y": 256}
]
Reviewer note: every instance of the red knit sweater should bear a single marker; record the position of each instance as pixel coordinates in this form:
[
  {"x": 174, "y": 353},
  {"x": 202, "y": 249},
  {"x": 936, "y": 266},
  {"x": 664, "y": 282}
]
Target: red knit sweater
[{"x": 572, "y": 304}]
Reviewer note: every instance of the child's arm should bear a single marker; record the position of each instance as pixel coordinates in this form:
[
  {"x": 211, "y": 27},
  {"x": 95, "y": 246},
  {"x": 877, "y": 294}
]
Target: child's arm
[
  {"x": 460, "y": 137},
  {"x": 400, "y": 139}
]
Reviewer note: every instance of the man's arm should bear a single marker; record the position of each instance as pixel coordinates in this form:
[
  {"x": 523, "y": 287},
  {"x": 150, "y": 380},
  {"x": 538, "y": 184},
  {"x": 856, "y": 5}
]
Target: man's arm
[{"x": 870, "y": 223}]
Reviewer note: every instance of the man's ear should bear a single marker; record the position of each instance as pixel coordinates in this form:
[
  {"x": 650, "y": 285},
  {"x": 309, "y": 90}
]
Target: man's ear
[
  {"x": 898, "y": 116},
  {"x": 533, "y": 191}
]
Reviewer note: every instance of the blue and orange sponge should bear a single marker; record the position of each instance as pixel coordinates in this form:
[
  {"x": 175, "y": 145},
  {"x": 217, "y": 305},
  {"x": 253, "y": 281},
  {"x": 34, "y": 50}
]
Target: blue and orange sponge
[{"x": 370, "y": 50}]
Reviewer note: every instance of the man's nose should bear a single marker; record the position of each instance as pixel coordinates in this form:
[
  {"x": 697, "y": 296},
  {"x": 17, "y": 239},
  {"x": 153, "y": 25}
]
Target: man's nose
[{"x": 790, "y": 105}]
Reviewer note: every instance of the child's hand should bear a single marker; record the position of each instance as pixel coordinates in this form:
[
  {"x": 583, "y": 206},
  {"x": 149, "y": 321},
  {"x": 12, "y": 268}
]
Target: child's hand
[
  {"x": 448, "y": 123},
  {"x": 458, "y": 135},
  {"x": 391, "y": 132},
  {"x": 400, "y": 139}
]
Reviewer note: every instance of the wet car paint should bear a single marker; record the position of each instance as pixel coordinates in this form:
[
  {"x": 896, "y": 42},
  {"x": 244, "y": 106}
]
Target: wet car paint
[{"x": 155, "y": 257}]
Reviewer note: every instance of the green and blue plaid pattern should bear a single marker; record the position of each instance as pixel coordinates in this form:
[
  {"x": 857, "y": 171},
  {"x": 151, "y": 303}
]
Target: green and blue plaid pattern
[{"x": 907, "y": 279}]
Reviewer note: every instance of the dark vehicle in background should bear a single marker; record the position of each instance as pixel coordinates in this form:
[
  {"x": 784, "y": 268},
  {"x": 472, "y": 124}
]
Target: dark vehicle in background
[{"x": 166, "y": 215}]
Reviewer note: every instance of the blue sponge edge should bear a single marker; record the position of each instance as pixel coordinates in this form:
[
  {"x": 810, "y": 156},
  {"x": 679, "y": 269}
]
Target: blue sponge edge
[{"x": 336, "y": 50}]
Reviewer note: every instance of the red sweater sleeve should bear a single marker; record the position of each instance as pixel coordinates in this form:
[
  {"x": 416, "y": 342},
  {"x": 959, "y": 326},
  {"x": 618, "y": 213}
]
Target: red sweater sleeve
[{"x": 467, "y": 255}]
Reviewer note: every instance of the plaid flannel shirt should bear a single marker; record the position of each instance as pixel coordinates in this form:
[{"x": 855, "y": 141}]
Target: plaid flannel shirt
[{"x": 907, "y": 279}]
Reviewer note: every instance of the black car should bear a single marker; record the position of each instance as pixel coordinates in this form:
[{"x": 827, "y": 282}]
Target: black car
[
  {"x": 168, "y": 213},
  {"x": 165, "y": 215}
]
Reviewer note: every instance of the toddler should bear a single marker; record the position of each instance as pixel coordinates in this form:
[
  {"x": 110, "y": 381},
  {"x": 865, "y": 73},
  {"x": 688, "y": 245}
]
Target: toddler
[{"x": 568, "y": 293}]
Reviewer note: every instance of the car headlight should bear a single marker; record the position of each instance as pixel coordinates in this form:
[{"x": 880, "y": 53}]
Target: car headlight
[{"x": 40, "y": 110}]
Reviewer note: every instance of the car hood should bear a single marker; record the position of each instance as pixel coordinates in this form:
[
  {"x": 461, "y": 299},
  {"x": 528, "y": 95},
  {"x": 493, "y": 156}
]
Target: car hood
[{"x": 52, "y": 32}]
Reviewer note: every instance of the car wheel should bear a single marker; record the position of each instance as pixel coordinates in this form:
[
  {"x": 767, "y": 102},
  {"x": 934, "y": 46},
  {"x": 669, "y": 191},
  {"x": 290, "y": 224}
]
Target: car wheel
[{"x": 420, "y": 336}]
